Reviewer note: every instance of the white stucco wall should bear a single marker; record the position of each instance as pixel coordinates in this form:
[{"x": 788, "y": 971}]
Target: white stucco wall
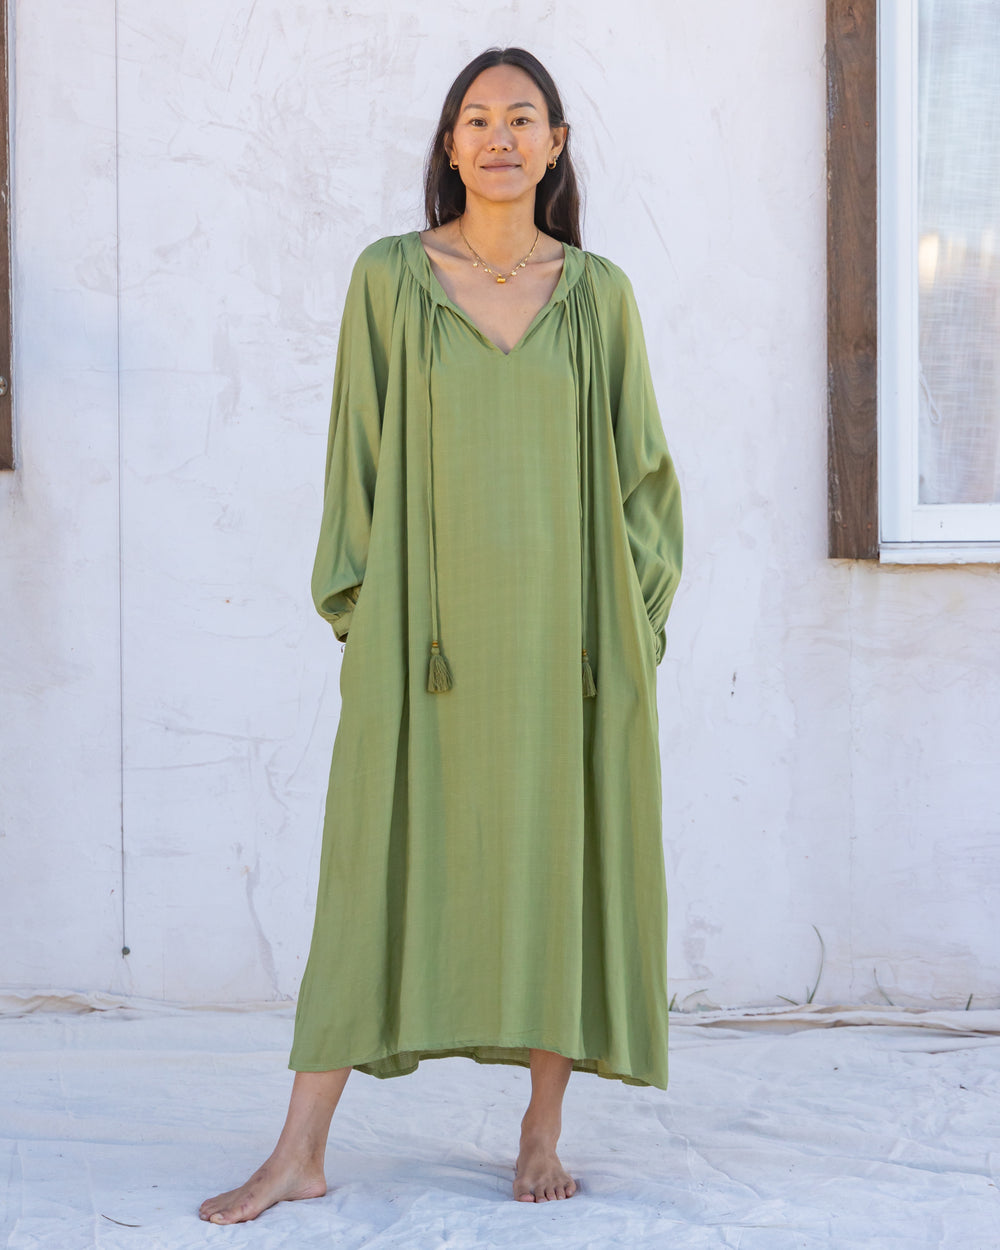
[{"x": 190, "y": 190}]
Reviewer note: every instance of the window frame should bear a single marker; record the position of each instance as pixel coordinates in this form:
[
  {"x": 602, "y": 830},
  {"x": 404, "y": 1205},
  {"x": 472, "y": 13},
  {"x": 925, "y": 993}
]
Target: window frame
[
  {"x": 852, "y": 266},
  {"x": 872, "y": 299}
]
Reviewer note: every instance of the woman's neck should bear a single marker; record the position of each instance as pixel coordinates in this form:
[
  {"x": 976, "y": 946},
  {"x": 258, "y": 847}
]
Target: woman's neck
[{"x": 502, "y": 232}]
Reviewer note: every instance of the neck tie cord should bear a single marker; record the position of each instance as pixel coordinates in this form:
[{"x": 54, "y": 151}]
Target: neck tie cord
[
  {"x": 587, "y": 673},
  {"x": 439, "y": 676}
]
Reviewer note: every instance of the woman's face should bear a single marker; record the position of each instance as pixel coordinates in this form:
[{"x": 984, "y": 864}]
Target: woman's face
[{"x": 502, "y": 139}]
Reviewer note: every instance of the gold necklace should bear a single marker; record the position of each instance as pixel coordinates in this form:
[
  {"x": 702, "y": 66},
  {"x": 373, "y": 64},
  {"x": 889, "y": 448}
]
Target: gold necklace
[{"x": 479, "y": 260}]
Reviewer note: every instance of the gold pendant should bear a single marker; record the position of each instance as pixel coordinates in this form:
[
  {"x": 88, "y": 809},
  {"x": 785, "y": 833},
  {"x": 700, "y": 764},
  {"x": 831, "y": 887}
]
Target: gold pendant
[{"x": 501, "y": 278}]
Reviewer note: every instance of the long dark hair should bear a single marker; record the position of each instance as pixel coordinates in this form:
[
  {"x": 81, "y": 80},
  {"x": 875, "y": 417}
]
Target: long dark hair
[{"x": 557, "y": 199}]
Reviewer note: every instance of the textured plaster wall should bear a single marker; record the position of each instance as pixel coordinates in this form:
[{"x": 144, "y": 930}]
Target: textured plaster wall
[{"x": 191, "y": 185}]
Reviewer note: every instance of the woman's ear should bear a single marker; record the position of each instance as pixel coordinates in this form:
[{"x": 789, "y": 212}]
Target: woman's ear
[{"x": 559, "y": 134}]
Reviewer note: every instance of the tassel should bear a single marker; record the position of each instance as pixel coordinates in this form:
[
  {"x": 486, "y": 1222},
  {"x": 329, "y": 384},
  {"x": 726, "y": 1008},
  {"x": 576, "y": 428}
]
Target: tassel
[
  {"x": 439, "y": 676},
  {"x": 589, "y": 689}
]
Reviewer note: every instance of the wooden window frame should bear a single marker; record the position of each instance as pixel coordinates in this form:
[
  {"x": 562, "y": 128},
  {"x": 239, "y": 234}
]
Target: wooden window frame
[
  {"x": 856, "y": 531},
  {"x": 852, "y": 278},
  {"x": 6, "y": 344}
]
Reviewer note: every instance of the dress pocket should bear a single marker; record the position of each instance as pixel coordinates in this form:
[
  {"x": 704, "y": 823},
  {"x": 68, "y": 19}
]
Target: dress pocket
[
  {"x": 350, "y": 641},
  {"x": 651, "y": 632},
  {"x": 643, "y": 623}
]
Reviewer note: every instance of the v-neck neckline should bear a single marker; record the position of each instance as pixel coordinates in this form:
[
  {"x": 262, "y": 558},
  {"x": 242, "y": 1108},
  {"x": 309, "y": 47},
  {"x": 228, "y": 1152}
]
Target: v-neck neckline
[{"x": 442, "y": 297}]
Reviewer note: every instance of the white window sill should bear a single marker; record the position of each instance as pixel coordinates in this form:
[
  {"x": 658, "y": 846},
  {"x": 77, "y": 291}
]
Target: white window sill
[{"x": 939, "y": 553}]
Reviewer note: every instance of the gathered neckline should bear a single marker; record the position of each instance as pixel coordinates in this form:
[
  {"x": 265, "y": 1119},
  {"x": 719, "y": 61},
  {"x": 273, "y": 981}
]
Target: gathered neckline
[{"x": 424, "y": 271}]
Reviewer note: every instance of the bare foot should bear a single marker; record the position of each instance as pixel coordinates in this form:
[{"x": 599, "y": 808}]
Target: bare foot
[
  {"x": 277, "y": 1181},
  {"x": 538, "y": 1175}
]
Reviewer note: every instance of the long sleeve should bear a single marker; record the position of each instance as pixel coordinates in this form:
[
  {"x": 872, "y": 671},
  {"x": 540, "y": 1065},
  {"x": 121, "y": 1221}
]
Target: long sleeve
[
  {"x": 650, "y": 489},
  {"x": 353, "y": 444}
]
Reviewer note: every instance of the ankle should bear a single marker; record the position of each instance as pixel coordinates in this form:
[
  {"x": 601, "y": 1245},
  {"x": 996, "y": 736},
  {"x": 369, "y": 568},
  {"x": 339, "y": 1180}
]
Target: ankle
[
  {"x": 541, "y": 1125},
  {"x": 298, "y": 1156}
]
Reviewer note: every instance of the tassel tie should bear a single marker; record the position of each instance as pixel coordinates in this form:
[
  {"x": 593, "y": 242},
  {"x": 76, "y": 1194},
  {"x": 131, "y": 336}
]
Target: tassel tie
[{"x": 439, "y": 675}]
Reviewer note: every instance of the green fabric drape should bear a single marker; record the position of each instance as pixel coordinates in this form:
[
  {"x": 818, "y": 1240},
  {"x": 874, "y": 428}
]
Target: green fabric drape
[{"x": 492, "y": 874}]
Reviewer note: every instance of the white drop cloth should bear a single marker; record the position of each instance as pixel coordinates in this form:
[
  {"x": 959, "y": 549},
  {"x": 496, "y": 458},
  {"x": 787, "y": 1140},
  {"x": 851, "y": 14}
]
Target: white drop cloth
[{"x": 778, "y": 1131}]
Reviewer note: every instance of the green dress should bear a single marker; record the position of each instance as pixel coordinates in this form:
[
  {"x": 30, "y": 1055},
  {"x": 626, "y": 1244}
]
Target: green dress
[{"x": 501, "y": 540}]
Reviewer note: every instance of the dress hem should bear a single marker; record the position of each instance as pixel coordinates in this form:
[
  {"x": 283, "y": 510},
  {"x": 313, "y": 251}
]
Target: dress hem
[{"x": 403, "y": 1062}]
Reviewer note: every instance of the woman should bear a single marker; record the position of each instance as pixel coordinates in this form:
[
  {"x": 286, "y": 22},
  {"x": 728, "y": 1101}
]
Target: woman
[{"x": 501, "y": 539}]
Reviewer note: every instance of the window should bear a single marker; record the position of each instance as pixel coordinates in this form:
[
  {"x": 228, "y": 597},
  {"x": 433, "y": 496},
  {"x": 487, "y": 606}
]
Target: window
[{"x": 928, "y": 226}]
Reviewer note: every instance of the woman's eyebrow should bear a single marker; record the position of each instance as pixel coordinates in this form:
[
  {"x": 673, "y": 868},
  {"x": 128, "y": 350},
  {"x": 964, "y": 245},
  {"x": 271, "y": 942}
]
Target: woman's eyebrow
[{"x": 521, "y": 104}]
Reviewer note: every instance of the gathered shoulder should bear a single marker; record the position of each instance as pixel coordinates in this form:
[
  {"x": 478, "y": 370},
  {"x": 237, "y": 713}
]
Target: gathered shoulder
[
  {"x": 609, "y": 278},
  {"x": 381, "y": 260},
  {"x": 377, "y": 279}
]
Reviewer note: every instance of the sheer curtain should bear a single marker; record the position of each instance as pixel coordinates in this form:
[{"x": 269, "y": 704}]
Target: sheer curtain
[{"x": 959, "y": 250}]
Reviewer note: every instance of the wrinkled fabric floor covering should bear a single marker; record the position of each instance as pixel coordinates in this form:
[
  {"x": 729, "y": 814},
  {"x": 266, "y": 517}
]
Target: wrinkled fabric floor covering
[{"x": 777, "y": 1132}]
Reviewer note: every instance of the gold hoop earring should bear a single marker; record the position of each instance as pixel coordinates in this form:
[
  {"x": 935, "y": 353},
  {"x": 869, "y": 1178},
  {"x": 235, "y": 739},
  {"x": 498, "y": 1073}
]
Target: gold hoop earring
[
  {"x": 552, "y": 163},
  {"x": 453, "y": 164}
]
